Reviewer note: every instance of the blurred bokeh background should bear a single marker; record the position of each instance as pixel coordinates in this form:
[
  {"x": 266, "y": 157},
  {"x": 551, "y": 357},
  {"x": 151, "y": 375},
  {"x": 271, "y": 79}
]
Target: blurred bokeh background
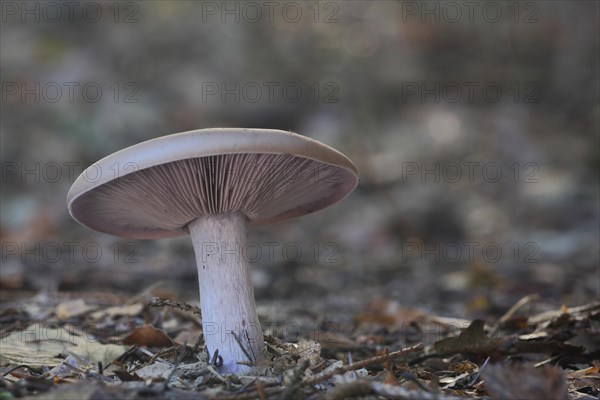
[{"x": 474, "y": 128}]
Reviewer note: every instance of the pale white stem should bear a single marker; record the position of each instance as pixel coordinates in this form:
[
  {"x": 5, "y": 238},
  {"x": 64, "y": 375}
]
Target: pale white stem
[{"x": 226, "y": 292}]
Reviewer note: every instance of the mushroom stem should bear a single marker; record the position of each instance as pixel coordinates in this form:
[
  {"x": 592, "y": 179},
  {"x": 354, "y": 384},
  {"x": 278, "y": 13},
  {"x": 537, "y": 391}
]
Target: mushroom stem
[{"x": 229, "y": 319}]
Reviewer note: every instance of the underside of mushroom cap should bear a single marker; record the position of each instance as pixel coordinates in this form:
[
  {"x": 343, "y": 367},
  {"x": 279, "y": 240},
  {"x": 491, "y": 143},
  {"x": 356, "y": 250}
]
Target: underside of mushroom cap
[{"x": 156, "y": 188}]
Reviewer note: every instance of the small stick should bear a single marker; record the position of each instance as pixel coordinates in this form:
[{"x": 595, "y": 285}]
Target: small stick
[
  {"x": 350, "y": 362},
  {"x": 512, "y": 311},
  {"x": 479, "y": 372},
  {"x": 153, "y": 356},
  {"x": 216, "y": 359},
  {"x": 158, "y": 302},
  {"x": 315, "y": 379},
  {"x": 548, "y": 315},
  {"x": 18, "y": 367},
  {"x": 363, "y": 363},
  {"x": 239, "y": 342},
  {"x": 157, "y": 356},
  {"x": 197, "y": 345},
  {"x": 250, "y": 346},
  {"x": 215, "y": 373}
]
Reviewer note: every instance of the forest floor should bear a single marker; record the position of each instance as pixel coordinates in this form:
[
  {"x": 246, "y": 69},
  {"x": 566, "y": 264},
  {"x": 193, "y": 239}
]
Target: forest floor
[{"x": 99, "y": 345}]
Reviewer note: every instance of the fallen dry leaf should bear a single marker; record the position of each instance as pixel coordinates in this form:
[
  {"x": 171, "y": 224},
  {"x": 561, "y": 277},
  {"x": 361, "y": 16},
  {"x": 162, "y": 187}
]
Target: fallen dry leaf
[
  {"x": 524, "y": 381},
  {"x": 39, "y": 346},
  {"x": 129, "y": 310},
  {"x": 158, "y": 370},
  {"x": 308, "y": 349},
  {"x": 582, "y": 373},
  {"x": 472, "y": 336},
  {"x": 72, "y": 308},
  {"x": 149, "y": 336}
]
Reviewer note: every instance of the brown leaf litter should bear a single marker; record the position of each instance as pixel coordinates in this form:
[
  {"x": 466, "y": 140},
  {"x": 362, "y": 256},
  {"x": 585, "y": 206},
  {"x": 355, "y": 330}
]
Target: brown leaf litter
[{"x": 88, "y": 347}]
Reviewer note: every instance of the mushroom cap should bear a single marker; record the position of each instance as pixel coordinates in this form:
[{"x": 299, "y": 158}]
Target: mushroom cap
[{"x": 154, "y": 189}]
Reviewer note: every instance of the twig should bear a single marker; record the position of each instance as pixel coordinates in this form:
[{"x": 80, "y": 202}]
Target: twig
[
  {"x": 362, "y": 364},
  {"x": 273, "y": 349},
  {"x": 216, "y": 359},
  {"x": 512, "y": 311},
  {"x": 154, "y": 357},
  {"x": 547, "y": 361},
  {"x": 73, "y": 368},
  {"x": 478, "y": 374},
  {"x": 158, "y": 302},
  {"x": 250, "y": 346},
  {"x": 18, "y": 367},
  {"x": 215, "y": 373},
  {"x": 549, "y": 315},
  {"x": 270, "y": 391},
  {"x": 197, "y": 344},
  {"x": 239, "y": 342},
  {"x": 350, "y": 362}
]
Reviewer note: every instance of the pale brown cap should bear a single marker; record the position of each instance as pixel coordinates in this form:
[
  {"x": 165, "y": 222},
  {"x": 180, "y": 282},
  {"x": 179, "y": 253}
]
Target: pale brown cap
[{"x": 156, "y": 188}]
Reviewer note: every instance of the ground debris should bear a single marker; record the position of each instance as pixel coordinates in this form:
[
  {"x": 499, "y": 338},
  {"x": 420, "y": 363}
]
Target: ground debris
[
  {"x": 524, "y": 381},
  {"x": 83, "y": 348}
]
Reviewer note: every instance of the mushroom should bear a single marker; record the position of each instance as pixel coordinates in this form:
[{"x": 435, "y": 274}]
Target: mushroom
[{"x": 211, "y": 183}]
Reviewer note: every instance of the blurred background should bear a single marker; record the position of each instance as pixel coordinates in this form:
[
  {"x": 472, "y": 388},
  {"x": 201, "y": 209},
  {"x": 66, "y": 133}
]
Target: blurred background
[{"x": 474, "y": 128}]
